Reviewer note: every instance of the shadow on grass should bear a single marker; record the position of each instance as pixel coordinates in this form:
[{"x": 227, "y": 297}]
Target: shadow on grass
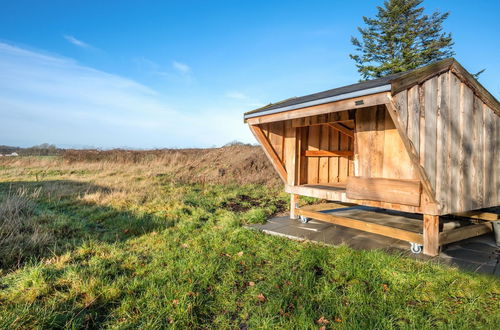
[
  {"x": 71, "y": 221},
  {"x": 61, "y": 221}
]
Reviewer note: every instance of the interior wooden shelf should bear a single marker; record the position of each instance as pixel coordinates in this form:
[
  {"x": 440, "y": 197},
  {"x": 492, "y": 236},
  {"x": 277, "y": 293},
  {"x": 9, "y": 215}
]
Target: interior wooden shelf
[{"x": 340, "y": 187}]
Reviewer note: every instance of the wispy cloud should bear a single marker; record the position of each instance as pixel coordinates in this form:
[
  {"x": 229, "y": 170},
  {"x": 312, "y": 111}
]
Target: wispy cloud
[
  {"x": 181, "y": 67},
  {"x": 55, "y": 99},
  {"x": 77, "y": 42},
  {"x": 177, "y": 72},
  {"x": 244, "y": 100}
]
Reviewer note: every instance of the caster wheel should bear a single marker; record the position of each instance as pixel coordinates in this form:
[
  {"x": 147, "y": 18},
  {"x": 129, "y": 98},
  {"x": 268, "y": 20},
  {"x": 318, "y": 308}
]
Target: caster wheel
[
  {"x": 303, "y": 219},
  {"x": 416, "y": 248}
]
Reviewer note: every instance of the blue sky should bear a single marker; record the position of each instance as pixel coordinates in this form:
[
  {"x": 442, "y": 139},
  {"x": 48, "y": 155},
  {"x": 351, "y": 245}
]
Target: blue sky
[{"x": 148, "y": 74}]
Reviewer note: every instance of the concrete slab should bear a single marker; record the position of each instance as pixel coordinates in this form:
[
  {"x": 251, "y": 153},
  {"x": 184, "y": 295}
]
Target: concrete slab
[
  {"x": 497, "y": 270},
  {"x": 460, "y": 253},
  {"x": 477, "y": 254}
]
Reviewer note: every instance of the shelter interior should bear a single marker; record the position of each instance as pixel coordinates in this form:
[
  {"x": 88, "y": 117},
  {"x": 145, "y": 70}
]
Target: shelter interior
[{"x": 339, "y": 151}]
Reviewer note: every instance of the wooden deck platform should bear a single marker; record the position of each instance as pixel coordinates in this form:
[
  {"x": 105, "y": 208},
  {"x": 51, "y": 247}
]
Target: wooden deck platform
[{"x": 395, "y": 224}]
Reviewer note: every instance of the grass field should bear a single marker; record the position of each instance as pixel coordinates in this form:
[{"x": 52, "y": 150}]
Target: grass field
[{"x": 159, "y": 242}]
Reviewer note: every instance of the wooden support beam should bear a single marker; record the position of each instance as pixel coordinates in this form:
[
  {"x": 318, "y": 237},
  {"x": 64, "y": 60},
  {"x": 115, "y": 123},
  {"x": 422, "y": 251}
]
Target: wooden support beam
[
  {"x": 326, "y": 206},
  {"x": 300, "y": 122},
  {"x": 465, "y": 232},
  {"x": 290, "y": 148},
  {"x": 431, "y": 235},
  {"x": 369, "y": 227},
  {"x": 324, "y": 153},
  {"x": 342, "y": 129},
  {"x": 301, "y": 163},
  {"x": 294, "y": 204},
  {"x": 269, "y": 151},
  {"x": 487, "y": 216}
]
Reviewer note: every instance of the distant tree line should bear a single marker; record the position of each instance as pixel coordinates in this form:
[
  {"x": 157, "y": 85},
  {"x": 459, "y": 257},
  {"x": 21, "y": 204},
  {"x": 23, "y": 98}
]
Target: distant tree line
[{"x": 44, "y": 149}]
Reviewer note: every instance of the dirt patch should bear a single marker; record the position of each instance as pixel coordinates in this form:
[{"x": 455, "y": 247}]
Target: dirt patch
[
  {"x": 243, "y": 203},
  {"x": 240, "y": 203}
]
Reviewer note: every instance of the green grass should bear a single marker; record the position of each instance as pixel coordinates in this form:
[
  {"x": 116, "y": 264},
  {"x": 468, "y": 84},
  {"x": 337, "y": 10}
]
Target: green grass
[{"x": 148, "y": 253}]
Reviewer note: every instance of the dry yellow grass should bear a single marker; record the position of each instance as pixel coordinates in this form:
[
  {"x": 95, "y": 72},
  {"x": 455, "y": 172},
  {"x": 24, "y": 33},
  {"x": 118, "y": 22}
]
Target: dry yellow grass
[
  {"x": 123, "y": 177},
  {"x": 233, "y": 164}
]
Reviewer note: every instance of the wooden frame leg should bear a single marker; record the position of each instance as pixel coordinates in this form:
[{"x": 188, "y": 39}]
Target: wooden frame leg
[
  {"x": 294, "y": 202},
  {"x": 431, "y": 235}
]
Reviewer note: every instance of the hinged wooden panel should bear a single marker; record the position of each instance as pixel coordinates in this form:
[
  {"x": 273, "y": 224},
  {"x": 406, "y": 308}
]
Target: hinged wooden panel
[{"x": 405, "y": 192}]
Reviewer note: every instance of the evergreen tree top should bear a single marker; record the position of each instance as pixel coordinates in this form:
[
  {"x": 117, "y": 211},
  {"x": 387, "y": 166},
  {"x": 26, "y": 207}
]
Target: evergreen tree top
[{"x": 400, "y": 38}]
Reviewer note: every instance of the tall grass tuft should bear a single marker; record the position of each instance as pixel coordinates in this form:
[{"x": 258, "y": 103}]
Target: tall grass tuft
[{"x": 20, "y": 235}]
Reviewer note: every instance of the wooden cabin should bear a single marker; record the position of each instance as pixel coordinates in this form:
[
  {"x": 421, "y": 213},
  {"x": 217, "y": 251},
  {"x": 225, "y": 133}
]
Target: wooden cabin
[{"x": 425, "y": 141}]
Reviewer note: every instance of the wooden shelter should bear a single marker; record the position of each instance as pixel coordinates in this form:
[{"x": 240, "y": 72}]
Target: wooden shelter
[{"x": 425, "y": 141}]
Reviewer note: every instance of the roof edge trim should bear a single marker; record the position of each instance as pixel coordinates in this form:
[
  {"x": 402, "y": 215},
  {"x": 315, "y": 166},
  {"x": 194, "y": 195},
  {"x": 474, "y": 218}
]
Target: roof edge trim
[
  {"x": 418, "y": 76},
  {"x": 363, "y": 92}
]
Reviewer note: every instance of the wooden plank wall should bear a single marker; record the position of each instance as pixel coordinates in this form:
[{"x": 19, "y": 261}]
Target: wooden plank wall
[
  {"x": 381, "y": 152},
  {"x": 457, "y": 138},
  {"x": 327, "y": 169},
  {"x": 317, "y": 136},
  {"x": 275, "y": 133}
]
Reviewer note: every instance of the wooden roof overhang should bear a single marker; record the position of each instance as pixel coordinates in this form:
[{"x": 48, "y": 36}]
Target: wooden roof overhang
[
  {"x": 365, "y": 94},
  {"x": 335, "y": 106}
]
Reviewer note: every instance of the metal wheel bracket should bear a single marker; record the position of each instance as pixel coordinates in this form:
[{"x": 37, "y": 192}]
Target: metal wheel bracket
[
  {"x": 416, "y": 248},
  {"x": 303, "y": 219}
]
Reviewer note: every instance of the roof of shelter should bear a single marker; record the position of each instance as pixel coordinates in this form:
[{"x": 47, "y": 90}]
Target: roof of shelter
[{"x": 393, "y": 83}]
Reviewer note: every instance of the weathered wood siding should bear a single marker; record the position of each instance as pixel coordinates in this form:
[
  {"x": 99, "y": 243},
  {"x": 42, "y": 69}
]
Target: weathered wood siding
[
  {"x": 457, "y": 139},
  {"x": 380, "y": 150}
]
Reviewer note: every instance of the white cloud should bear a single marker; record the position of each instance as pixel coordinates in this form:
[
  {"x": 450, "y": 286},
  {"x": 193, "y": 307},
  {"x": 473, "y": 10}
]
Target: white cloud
[
  {"x": 153, "y": 68},
  {"x": 243, "y": 100},
  {"x": 47, "y": 98},
  {"x": 181, "y": 67},
  {"x": 76, "y": 42}
]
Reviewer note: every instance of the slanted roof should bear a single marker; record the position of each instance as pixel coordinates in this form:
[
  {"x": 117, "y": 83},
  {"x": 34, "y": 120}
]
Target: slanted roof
[
  {"x": 393, "y": 83},
  {"x": 349, "y": 89}
]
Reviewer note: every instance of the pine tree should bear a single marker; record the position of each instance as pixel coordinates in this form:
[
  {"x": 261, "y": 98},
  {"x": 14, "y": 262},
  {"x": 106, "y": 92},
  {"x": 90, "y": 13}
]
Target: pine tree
[{"x": 400, "y": 38}]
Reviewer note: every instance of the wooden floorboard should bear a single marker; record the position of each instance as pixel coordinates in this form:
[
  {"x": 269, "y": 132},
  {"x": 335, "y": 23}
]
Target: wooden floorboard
[{"x": 369, "y": 227}]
